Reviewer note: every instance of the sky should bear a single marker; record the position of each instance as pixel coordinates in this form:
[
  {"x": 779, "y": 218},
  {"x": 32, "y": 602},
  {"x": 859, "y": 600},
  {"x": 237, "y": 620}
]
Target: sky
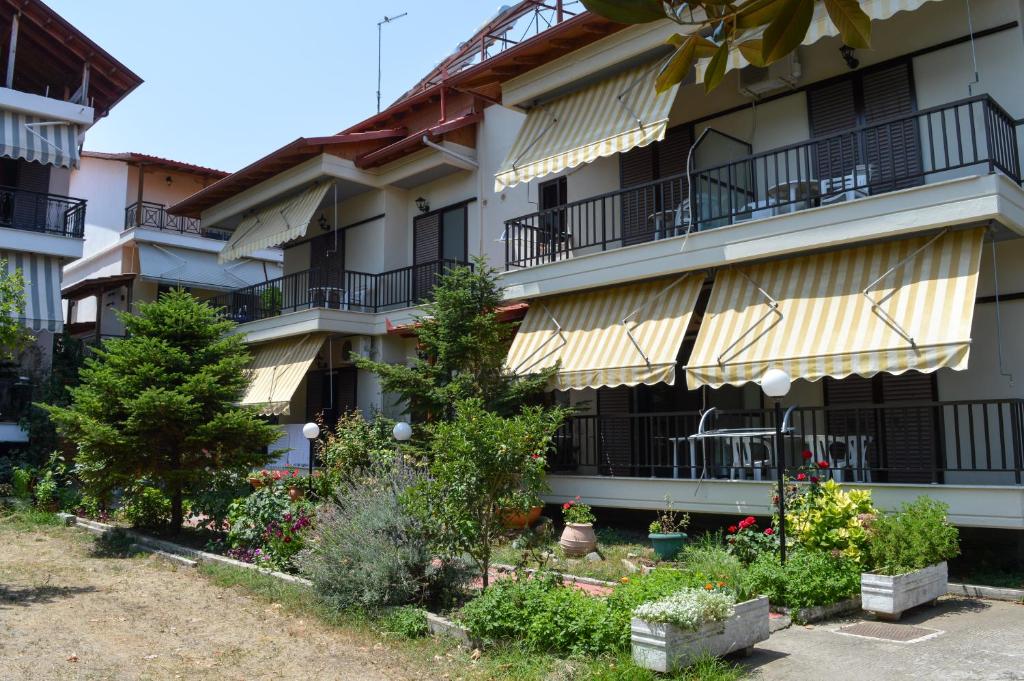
[{"x": 227, "y": 81}]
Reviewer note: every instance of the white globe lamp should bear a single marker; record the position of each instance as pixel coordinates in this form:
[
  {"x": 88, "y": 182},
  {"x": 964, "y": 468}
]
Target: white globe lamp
[
  {"x": 311, "y": 431},
  {"x": 775, "y": 383},
  {"x": 402, "y": 431}
]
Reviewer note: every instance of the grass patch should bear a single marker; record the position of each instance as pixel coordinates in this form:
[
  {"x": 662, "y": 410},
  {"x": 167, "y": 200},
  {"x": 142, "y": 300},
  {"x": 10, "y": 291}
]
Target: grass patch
[
  {"x": 28, "y": 517},
  {"x": 1000, "y": 578},
  {"x": 613, "y": 545}
]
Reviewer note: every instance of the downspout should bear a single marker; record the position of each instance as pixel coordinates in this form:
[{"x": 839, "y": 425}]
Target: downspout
[{"x": 453, "y": 154}]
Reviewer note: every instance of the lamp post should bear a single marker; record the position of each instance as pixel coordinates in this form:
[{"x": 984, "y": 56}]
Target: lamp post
[
  {"x": 402, "y": 431},
  {"x": 775, "y": 384},
  {"x": 311, "y": 431}
]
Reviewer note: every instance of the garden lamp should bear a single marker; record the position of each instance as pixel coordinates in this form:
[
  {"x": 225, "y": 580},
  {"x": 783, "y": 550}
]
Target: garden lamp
[
  {"x": 775, "y": 384},
  {"x": 311, "y": 431},
  {"x": 402, "y": 431}
]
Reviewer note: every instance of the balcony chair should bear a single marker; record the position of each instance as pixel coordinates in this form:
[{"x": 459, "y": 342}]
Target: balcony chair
[
  {"x": 849, "y": 187},
  {"x": 670, "y": 222},
  {"x": 747, "y": 455},
  {"x": 842, "y": 452}
]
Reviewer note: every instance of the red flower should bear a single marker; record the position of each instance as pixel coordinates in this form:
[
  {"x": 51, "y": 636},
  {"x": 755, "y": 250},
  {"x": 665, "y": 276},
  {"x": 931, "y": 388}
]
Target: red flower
[
  {"x": 732, "y": 529},
  {"x": 823, "y": 464},
  {"x": 566, "y": 505},
  {"x": 814, "y": 479},
  {"x": 769, "y": 531},
  {"x": 807, "y": 454},
  {"x": 801, "y": 476},
  {"x": 534, "y": 456}
]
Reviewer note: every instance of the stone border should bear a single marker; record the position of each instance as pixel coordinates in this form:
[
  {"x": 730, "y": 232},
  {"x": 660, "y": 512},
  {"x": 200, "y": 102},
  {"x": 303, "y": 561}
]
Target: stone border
[
  {"x": 992, "y": 592},
  {"x": 818, "y": 613},
  {"x": 571, "y": 579}
]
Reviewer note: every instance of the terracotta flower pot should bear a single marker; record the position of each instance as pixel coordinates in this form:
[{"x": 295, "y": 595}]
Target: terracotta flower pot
[
  {"x": 256, "y": 483},
  {"x": 517, "y": 520},
  {"x": 296, "y": 493},
  {"x": 578, "y": 539}
]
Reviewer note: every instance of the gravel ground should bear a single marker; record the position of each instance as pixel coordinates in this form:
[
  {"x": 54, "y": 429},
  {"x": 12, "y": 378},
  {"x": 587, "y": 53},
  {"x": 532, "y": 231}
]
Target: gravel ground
[{"x": 66, "y": 613}]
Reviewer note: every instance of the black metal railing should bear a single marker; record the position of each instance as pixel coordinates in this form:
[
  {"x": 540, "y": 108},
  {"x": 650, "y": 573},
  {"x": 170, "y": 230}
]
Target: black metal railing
[
  {"x": 155, "y": 216},
  {"x": 974, "y": 135},
  {"x": 335, "y": 289},
  {"x": 969, "y": 442},
  {"x": 39, "y": 212}
]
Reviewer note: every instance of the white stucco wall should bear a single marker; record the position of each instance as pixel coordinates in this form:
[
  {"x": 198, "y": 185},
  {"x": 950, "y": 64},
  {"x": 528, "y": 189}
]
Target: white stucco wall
[{"x": 100, "y": 182}]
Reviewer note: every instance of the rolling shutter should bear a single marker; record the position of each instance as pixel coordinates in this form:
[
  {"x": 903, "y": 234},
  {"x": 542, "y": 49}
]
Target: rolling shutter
[
  {"x": 893, "y": 150},
  {"x": 833, "y": 109},
  {"x": 426, "y": 251}
]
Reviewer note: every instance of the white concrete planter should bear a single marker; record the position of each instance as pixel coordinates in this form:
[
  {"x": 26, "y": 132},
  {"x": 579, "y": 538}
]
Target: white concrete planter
[
  {"x": 891, "y": 595},
  {"x": 666, "y": 648}
]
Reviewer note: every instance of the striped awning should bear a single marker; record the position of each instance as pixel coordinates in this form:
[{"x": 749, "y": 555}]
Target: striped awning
[
  {"x": 43, "y": 311},
  {"x": 35, "y": 139},
  {"x": 822, "y": 27},
  {"x": 277, "y": 369},
  {"x": 888, "y": 307},
  {"x": 196, "y": 269},
  {"x": 624, "y": 335},
  {"x": 275, "y": 224},
  {"x": 606, "y": 118}
]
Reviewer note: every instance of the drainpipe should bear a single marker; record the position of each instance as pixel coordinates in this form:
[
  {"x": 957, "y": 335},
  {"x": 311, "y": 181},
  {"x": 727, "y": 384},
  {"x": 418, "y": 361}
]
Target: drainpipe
[{"x": 453, "y": 154}]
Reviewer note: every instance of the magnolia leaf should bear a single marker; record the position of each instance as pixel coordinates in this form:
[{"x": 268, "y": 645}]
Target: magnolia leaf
[
  {"x": 679, "y": 65},
  {"x": 627, "y": 11},
  {"x": 716, "y": 68},
  {"x": 703, "y": 46},
  {"x": 751, "y": 51},
  {"x": 757, "y": 13},
  {"x": 787, "y": 30},
  {"x": 853, "y": 24}
]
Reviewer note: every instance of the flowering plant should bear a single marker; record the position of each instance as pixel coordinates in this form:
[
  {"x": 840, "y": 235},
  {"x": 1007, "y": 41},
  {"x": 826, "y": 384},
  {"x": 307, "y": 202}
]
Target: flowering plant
[
  {"x": 284, "y": 538},
  {"x": 747, "y": 541},
  {"x": 269, "y": 520},
  {"x": 575, "y": 511},
  {"x": 826, "y": 517},
  {"x": 689, "y": 609}
]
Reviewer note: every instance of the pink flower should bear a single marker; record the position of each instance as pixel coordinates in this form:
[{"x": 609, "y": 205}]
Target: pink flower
[
  {"x": 732, "y": 529},
  {"x": 823, "y": 464},
  {"x": 814, "y": 479},
  {"x": 769, "y": 531},
  {"x": 566, "y": 506},
  {"x": 801, "y": 476}
]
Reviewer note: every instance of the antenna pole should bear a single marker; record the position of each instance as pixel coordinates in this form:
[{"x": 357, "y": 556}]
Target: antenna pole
[{"x": 380, "y": 24}]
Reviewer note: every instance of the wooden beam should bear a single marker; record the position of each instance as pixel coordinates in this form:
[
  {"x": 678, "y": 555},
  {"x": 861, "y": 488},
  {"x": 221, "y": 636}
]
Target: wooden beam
[{"x": 12, "y": 51}]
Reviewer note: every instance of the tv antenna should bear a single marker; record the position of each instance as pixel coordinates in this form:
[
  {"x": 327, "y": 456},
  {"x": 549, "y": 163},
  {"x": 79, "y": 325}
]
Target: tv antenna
[{"x": 380, "y": 24}]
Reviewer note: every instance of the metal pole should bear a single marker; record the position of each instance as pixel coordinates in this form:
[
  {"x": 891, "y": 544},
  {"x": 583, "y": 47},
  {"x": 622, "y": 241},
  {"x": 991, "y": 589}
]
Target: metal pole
[
  {"x": 380, "y": 24},
  {"x": 12, "y": 50},
  {"x": 780, "y": 469}
]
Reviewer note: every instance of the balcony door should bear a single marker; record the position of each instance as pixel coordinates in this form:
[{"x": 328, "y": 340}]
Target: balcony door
[
  {"x": 331, "y": 393},
  {"x": 649, "y": 210},
  {"x": 327, "y": 270},
  {"x": 887, "y": 156},
  {"x": 438, "y": 237}
]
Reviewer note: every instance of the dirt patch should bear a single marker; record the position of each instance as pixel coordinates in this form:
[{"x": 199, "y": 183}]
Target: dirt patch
[{"x": 66, "y": 613}]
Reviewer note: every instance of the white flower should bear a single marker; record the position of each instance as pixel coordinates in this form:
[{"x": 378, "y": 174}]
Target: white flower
[{"x": 688, "y": 609}]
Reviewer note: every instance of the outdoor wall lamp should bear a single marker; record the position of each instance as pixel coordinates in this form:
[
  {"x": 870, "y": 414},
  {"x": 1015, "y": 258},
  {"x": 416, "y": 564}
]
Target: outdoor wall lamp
[
  {"x": 324, "y": 225},
  {"x": 848, "y": 57},
  {"x": 402, "y": 431},
  {"x": 422, "y": 204}
]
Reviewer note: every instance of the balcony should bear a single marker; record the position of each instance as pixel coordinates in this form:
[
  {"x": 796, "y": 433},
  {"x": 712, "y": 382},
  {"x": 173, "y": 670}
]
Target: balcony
[
  {"x": 155, "y": 216},
  {"x": 969, "y": 137},
  {"x": 334, "y": 289},
  {"x": 951, "y": 442},
  {"x": 44, "y": 213}
]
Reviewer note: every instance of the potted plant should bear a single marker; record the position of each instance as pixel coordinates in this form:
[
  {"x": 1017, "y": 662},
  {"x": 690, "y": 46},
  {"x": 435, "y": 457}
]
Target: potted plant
[
  {"x": 295, "y": 490},
  {"x": 909, "y": 550},
  {"x": 666, "y": 531},
  {"x": 670, "y": 633},
  {"x": 578, "y": 538}
]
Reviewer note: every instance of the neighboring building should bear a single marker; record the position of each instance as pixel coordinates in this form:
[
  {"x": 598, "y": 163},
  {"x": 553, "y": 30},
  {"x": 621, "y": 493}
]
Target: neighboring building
[
  {"x": 134, "y": 249},
  {"x": 58, "y": 83},
  {"x": 852, "y": 217}
]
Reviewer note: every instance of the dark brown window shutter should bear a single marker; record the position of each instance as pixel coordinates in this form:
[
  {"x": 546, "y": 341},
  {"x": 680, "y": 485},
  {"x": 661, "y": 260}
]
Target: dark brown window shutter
[
  {"x": 911, "y": 441},
  {"x": 613, "y": 407},
  {"x": 426, "y": 251},
  {"x": 673, "y": 153},
  {"x": 894, "y": 149},
  {"x": 636, "y": 167},
  {"x": 832, "y": 109}
]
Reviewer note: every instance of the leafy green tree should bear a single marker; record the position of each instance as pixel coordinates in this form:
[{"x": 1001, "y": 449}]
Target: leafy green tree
[
  {"x": 13, "y": 334},
  {"x": 481, "y": 466},
  {"x": 462, "y": 349},
  {"x": 764, "y": 31},
  {"x": 160, "y": 404}
]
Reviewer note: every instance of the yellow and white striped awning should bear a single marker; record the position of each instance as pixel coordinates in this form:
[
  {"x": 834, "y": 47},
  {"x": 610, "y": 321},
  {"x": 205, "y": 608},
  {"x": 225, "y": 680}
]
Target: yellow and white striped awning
[
  {"x": 822, "y": 27},
  {"x": 274, "y": 224},
  {"x": 624, "y": 335},
  {"x": 45, "y": 141},
  {"x": 606, "y": 118},
  {"x": 276, "y": 371},
  {"x": 811, "y": 317}
]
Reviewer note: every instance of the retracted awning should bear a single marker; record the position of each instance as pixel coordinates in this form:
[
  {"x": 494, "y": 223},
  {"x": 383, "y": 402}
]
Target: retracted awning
[
  {"x": 624, "y": 335},
  {"x": 36, "y": 139},
  {"x": 606, "y": 118},
  {"x": 274, "y": 224},
  {"x": 822, "y": 27},
  {"x": 43, "y": 311},
  {"x": 277, "y": 369},
  {"x": 888, "y": 307},
  {"x": 197, "y": 269}
]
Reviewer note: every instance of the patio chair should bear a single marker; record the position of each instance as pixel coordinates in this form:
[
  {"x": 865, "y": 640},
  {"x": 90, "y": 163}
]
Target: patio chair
[{"x": 853, "y": 185}]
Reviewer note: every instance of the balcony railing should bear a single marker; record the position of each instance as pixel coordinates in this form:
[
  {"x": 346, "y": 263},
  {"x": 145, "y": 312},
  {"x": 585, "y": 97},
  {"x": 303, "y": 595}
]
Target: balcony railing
[
  {"x": 973, "y": 135},
  {"x": 38, "y": 212},
  {"x": 969, "y": 442},
  {"x": 334, "y": 289},
  {"x": 155, "y": 216}
]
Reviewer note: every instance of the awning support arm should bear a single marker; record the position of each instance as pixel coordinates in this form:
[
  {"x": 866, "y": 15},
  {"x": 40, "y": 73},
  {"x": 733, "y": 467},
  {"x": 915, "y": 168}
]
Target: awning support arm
[
  {"x": 628, "y": 318},
  {"x": 556, "y": 333},
  {"x": 551, "y": 124},
  {"x": 876, "y": 305},
  {"x": 773, "y": 310}
]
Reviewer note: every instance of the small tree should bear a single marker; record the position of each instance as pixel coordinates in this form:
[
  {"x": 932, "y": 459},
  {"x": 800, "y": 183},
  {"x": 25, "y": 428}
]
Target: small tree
[
  {"x": 160, "y": 404},
  {"x": 482, "y": 465},
  {"x": 462, "y": 349},
  {"x": 13, "y": 334}
]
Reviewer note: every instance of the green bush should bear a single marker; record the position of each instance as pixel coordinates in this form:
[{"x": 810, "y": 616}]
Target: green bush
[
  {"x": 267, "y": 527},
  {"x": 214, "y": 502},
  {"x": 708, "y": 562},
  {"x": 641, "y": 589},
  {"x": 352, "y": 446},
  {"x": 810, "y": 577},
  {"x": 917, "y": 536},
  {"x": 828, "y": 518},
  {"x": 405, "y": 622},
  {"x": 145, "y": 506},
  {"x": 46, "y": 491},
  {"x": 21, "y": 480}
]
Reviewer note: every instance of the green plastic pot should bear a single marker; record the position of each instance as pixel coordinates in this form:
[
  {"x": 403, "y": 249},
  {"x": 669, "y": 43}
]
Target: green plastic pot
[{"x": 667, "y": 545}]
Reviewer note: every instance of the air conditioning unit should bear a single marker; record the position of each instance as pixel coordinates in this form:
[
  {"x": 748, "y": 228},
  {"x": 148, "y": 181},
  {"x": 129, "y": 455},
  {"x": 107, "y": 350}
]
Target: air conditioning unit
[{"x": 757, "y": 82}]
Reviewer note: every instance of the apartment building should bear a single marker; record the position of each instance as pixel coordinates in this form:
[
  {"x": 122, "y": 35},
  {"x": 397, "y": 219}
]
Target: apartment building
[
  {"x": 58, "y": 83},
  {"x": 135, "y": 249},
  {"x": 851, "y": 217}
]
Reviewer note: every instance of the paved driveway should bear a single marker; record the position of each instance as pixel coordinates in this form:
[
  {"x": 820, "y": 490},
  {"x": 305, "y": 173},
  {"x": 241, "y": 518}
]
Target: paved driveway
[{"x": 965, "y": 639}]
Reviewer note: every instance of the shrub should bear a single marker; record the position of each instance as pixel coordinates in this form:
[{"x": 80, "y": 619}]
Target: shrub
[
  {"x": 641, "y": 589},
  {"x": 824, "y": 516},
  {"x": 689, "y": 609},
  {"x": 405, "y": 622},
  {"x": 747, "y": 541},
  {"x": 810, "y": 577},
  {"x": 270, "y": 521},
  {"x": 46, "y": 491},
  {"x": 213, "y": 503},
  {"x": 21, "y": 480},
  {"x": 353, "y": 445},
  {"x": 504, "y": 611},
  {"x": 917, "y": 536},
  {"x": 706, "y": 562},
  {"x": 368, "y": 552},
  {"x": 145, "y": 506}
]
